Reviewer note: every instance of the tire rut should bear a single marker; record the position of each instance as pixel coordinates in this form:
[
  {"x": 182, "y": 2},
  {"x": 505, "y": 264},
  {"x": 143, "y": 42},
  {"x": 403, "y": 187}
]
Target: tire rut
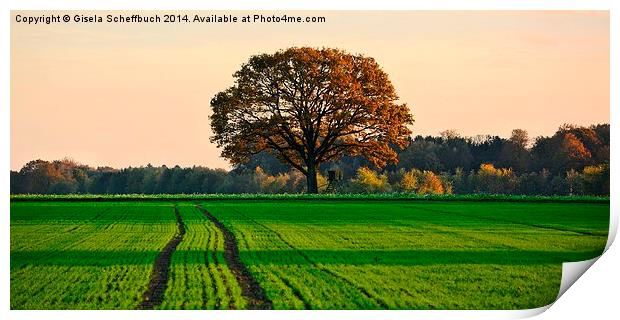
[
  {"x": 296, "y": 292},
  {"x": 361, "y": 289},
  {"x": 220, "y": 271},
  {"x": 250, "y": 289},
  {"x": 583, "y": 233},
  {"x": 154, "y": 294}
]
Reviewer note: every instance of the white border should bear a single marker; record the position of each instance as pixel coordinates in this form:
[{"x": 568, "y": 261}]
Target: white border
[{"x": 583, "y": 299}]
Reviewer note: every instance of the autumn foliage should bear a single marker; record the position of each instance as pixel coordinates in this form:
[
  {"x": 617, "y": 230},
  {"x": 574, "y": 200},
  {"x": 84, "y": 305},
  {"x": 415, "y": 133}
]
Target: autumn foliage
[{"x": 309, "y": 106}]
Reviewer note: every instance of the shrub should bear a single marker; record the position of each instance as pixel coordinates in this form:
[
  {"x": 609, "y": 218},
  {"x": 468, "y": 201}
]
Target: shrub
[
  {"x": 431, "y": 184},
  {"x": 596, "y": 179},
  {"x": 493, "y": 180},
  {"x": 369, "y": 181},
  {"x": 409, "y": 181}
]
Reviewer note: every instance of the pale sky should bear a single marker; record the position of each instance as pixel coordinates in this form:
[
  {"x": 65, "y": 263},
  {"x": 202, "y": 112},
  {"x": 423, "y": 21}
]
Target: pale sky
[{"x": 132, "y": 94}]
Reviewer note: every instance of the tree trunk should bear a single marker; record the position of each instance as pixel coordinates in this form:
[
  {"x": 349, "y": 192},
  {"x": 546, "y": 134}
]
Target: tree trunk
[{"x": 311, "y": 179}]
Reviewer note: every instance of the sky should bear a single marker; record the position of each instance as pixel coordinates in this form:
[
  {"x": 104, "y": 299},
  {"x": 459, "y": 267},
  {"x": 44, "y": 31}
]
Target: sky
[{"x": 124, "y": 95}]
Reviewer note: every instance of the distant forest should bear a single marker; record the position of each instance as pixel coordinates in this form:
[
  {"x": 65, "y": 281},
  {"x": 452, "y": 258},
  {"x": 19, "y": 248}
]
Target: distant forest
[{"x": 573, "y": 161}]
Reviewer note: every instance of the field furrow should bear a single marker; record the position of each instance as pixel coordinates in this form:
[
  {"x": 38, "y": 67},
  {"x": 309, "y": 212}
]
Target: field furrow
[
  {"x": 250, "y": 289},
  {"x": 200, "y": 278},
  {"x": 309, "y": 261},
  {"x": 158, "y": 282}
]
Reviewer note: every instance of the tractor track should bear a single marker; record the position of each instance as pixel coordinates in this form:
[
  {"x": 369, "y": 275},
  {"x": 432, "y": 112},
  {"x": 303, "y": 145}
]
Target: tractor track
[
  {"x": 294, "y": 290},
  {"x": 218, "y": 268},
  {"x": 250, "y": 289},
  {"x": 359, "y": 288},
  {"x": 532, "y": 225},
  {"x": 154, "y": 294}
]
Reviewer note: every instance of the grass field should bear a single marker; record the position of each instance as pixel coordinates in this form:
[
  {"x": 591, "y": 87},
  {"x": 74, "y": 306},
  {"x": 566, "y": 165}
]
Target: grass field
[{"x": 298, "y": 254}]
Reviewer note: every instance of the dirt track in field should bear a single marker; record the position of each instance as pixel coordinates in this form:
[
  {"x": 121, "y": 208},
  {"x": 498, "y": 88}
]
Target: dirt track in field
[
  {"x": 361, "y": 289},
  {"x": 154, "y": 294},
  {"x": 250, "y": 289}
]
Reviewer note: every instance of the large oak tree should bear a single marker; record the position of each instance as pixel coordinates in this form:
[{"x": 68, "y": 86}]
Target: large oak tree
[{"x": 309, "y": 106}]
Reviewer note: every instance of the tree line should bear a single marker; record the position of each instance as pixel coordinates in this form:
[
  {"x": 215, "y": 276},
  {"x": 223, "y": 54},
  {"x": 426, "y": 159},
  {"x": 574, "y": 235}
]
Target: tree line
[{"x": 573, "y": 161}]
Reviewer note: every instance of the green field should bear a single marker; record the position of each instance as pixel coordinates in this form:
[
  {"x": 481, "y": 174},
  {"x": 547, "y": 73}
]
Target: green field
[{"x": 298, "y": 254}]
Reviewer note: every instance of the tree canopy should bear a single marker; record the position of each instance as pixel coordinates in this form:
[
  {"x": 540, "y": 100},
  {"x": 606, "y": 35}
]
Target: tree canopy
[{"x": 309, "y": 106}]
